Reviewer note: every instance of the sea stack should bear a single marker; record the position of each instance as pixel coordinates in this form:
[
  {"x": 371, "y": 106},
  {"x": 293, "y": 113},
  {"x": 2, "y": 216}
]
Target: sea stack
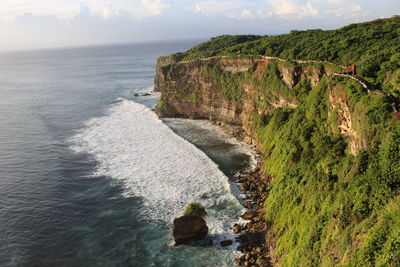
[{"x": 188, "y": 228}]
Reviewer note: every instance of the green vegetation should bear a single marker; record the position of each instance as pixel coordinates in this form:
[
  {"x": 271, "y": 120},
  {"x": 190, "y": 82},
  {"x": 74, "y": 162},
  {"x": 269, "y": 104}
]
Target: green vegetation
[
  {"x": 230, "y": 85},
  {"x": 162, "y": 104},
  {"x": 191, "y": 96},
  {"x": 373, "y": 46},
  {"x": 221, "y": 45},
  {"x": 184, "y": 87},
  {"x": 195, "y": 209},
  {"x": 326, "y": 206}
]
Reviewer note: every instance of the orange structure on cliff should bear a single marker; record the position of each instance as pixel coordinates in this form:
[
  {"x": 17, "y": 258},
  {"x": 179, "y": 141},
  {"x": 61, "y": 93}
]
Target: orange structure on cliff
[{"x": 351, "y": 69}]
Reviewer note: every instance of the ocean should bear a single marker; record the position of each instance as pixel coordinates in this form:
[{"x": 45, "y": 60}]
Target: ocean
[{"x": 90, "y": 176}]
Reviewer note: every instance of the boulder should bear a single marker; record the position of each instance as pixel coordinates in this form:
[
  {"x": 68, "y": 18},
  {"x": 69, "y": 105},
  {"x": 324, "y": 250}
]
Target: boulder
[
  {"x": 225, "y": 243},
  {"x": 247, "y": 204},
  {"x": 249, "y": 214},
  {"x": 237, "y": 228},
  {"x": 187, "y": 228}
]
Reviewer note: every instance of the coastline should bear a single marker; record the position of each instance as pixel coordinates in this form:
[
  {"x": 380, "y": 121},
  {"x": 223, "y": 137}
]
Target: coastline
[
  {"x": 254, "y": 187},
  {"x": 250, "y": 188}
]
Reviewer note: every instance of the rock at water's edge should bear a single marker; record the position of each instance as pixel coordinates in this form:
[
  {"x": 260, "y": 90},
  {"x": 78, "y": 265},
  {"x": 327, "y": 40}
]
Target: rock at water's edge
[
  {"x": 187, "y": 228},
  {"x": 225, "y": 243},
  {"x": 249, "y": 214}
]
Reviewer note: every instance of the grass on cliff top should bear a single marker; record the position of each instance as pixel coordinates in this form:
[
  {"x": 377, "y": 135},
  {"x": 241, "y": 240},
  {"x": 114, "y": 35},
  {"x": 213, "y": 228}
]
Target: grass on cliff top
[{"x": 373, "y": 46}]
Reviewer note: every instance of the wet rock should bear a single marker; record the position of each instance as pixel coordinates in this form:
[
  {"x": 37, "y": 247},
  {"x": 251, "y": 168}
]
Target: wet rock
[
  {"x": 187, "y": 228},
  {"x": 237, "y": 229},
  {"x": 146, "y": 94},
  {"x": 244, "y": 187},
  {"x": 249, "y": 214},
  {"x": 225, "y": 243},
  {"x": 261, "y": 262},
  {"x": 237, "y": 261},
  {"x": 135, "y": 94},
  {"x": 247, "y": 256},
  {"x": 241, "y": 248},
  {"x": 247, "y": 204}
]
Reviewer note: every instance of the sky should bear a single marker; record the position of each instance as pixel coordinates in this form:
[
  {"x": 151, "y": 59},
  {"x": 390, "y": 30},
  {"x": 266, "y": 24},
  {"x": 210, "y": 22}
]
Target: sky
[{"x": 32, "y": 24}]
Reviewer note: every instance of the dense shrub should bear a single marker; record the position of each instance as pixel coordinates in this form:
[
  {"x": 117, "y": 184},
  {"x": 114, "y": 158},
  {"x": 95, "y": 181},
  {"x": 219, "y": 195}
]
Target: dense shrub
[
  {"x": 195, "y": 209},
  {"x": 325, "y": 206},
  {"x": 373, "y": 46}
]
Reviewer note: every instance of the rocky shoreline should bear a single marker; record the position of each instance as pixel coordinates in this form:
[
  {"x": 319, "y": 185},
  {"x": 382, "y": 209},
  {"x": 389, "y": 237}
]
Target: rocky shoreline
[
  {"x": 254, "y": 187},
  {"x": 253, "y": 234}
]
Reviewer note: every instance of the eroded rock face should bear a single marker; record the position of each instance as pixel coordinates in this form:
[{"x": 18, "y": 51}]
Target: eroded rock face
[
  {"x": 187, "y": 228},
  {"x": 346, "y": 121},
  {"x": 178, "y": 80}
]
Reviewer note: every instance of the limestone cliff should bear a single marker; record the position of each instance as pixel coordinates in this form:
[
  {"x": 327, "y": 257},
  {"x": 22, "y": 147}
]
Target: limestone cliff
[
  {"x": 329, "y": 134},
  {"x": 193, "y": 89}
]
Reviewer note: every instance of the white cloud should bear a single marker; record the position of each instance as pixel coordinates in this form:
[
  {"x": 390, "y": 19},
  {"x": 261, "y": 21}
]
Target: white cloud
[
  {"x": 155, "y": 7},
  {"x": 251, "y": 14},
  {"x": 65, "y": 10},
  {"x": 284, "y": 7},
  {"x": 106, "y": 12},
  {"x": 139, "y": 9},
  {"x": 247, "y": 13},
  {"x": 288, "y": 9},
  {"x": 309, "y": 10},
  {"x": 218, "y": 7},
  {"x": 11, "y": 9},
  {"x": 48, "y": 23},
  {"x": 355, "y": 8},
  {"x": 293, "y": 8}
]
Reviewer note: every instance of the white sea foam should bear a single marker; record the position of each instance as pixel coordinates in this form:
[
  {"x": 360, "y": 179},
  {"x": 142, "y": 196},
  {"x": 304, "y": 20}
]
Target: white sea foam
[{"x": 132, "y": 145}]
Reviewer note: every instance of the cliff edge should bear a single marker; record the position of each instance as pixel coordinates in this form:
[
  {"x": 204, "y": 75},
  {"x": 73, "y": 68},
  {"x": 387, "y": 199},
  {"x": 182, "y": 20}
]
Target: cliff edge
[{"x": 330, "y": 139}]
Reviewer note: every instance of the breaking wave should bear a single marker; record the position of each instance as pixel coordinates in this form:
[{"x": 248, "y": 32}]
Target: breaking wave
[{"x": 131, "y": 144}]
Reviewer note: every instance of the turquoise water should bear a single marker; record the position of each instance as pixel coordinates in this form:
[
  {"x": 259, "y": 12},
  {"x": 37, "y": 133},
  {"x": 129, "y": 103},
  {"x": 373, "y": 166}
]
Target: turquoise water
[{"x": 89, "y": 176}]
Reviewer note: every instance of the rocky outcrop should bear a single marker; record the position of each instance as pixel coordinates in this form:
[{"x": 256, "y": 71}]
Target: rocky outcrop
[
  {"x": 188, "y": 92},
  {"x": 253, "y": 238},
  {"x": 187, "y": 228},
  {"x": 345, "y": 122},
  {"x": 176, "y": 81}
]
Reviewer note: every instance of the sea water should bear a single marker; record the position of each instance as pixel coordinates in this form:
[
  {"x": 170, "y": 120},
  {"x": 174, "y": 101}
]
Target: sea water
[{"x": 90, "y": 176}]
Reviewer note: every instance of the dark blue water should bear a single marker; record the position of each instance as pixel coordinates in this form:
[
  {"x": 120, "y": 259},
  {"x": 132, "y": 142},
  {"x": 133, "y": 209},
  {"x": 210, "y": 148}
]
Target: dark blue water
[{"x": 61, "y": 206}]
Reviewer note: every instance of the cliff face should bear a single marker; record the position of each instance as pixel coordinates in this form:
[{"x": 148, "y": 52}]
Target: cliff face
[
  {"x": 188, "y": 90},
  {"x": 187, "y": 93},
  {"x": 340, "y": 105},
  {"x": 331, "y": 149}
]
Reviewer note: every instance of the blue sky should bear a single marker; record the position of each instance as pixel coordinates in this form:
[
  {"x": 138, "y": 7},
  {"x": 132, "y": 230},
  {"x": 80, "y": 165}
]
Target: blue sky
[{"x": 30, "y": 24}]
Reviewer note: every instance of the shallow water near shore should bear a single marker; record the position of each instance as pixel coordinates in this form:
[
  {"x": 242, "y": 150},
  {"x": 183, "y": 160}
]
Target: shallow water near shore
[{"x": 90, "y": 176}]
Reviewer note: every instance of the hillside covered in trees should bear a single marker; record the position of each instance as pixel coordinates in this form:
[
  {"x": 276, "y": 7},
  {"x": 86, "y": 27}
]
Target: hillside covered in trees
[
  {"x": 331, "y": 147},
  {"x": 373, "y": 46}
]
